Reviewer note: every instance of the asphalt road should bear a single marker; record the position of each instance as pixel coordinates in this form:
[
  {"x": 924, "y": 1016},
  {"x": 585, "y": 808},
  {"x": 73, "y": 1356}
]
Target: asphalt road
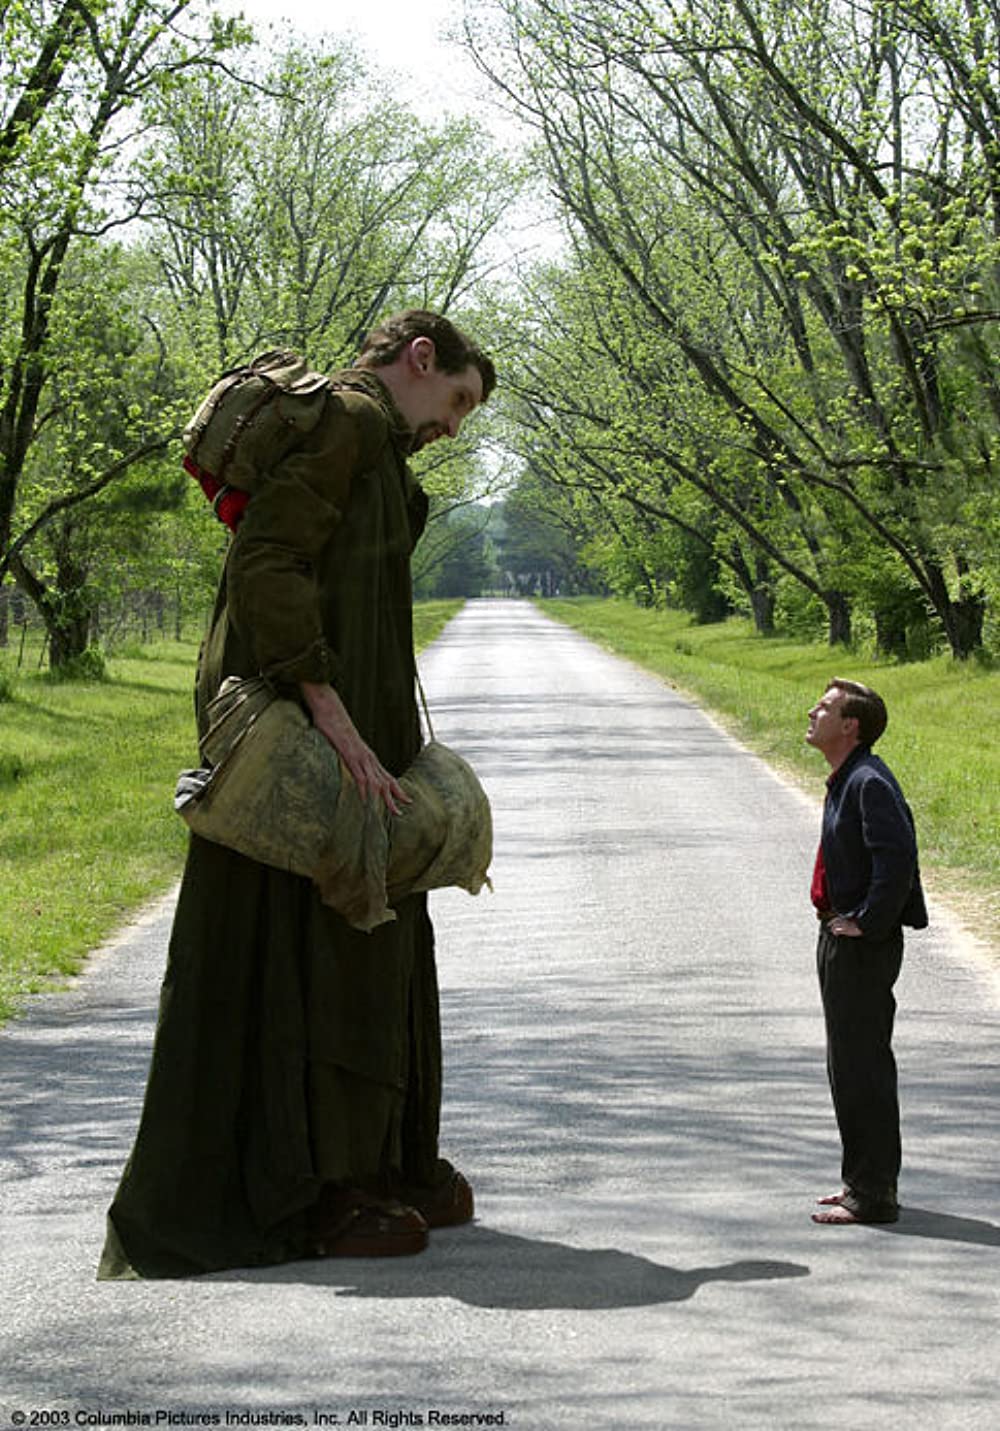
[{"x": 635, "y": 1084}]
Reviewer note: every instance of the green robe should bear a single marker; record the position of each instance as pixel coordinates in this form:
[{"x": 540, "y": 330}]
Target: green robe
[{"x": 292, "y": 1050}]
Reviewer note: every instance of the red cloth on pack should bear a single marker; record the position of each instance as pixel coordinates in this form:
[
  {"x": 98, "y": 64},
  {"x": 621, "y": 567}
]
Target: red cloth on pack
[{"x": 228, "y": 503}]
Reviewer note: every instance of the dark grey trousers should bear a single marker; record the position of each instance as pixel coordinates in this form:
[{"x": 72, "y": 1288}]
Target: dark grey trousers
[{"x": 856, "y": 978}]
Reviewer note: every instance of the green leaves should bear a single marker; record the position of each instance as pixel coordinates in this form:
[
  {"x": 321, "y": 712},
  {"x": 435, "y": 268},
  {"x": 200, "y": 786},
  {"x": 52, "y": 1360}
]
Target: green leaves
[
  {"x": 796, "y": 206},
  {"x": 84, "y": 381},
  {"x": 293, "y": 203}
]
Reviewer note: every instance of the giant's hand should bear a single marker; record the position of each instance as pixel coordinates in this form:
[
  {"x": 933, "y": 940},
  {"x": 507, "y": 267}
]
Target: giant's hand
[{"x": 331, "y": 719}]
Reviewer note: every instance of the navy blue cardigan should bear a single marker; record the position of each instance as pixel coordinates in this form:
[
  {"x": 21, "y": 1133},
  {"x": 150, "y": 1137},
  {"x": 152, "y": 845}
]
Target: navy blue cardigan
[{"x": 870, "y": 848}]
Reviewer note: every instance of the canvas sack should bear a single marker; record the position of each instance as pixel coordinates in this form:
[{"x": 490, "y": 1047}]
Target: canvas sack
[{"x": 273, "y": 788}]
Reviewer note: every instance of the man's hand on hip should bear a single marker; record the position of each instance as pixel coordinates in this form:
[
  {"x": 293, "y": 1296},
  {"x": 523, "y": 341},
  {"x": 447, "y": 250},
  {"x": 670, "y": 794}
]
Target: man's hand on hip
[{"x": 845, "y": 927}]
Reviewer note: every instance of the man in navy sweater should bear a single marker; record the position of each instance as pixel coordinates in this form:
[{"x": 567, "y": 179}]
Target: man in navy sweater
[{"x": 866, "y": 886}]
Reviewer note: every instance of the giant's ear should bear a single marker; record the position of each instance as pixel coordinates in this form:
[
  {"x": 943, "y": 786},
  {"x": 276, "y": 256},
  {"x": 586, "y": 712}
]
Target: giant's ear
[{"x": 421, "y": 354}]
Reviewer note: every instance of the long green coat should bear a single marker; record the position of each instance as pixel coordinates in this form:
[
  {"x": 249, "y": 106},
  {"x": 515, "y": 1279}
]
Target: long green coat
[{"x": 292, "y": 1050}]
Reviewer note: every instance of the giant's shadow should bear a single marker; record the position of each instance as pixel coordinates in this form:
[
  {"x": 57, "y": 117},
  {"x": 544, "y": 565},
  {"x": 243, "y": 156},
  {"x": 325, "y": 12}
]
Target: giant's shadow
[{"x": 483, "y": 1267}]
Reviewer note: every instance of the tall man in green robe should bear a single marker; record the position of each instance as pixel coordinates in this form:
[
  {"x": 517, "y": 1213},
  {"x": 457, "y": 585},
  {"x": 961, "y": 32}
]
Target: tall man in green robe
[{"x": 294, "y": 1092}]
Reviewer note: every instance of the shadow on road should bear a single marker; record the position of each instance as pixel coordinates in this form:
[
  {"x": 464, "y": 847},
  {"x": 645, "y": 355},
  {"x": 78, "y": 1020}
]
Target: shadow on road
[
  {"x": 482, "y": 1267},
  {"x": 922, "y": 1222}
]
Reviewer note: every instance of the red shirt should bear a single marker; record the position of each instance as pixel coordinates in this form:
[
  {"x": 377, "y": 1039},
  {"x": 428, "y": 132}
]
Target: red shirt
[{"x": 817, "y": 890}]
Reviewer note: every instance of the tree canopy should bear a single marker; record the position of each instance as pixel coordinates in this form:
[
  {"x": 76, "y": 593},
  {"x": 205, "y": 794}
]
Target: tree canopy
[
  {"x": 783, "y": 225},
  {"x": 176, "y": 201},
  {"x": 760, "y": 373}
]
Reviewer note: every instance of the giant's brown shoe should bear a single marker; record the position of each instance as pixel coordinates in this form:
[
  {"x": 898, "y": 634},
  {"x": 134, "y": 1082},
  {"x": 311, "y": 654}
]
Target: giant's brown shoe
[
  {"x": 348, "y": 1222},
  {"x": 446, "y": 1204}
]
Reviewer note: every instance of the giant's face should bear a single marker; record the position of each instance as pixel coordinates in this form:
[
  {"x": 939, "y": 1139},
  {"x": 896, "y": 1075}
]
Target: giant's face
[{"x": 440, "y": 402}]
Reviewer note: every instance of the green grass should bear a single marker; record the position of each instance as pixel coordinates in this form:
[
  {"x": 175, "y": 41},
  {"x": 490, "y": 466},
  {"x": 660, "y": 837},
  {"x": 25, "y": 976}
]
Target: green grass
[
  {"x": 430, "y": 617},
  {"x": 942, "y": 738},
  {"x": 87, "y": 828}
]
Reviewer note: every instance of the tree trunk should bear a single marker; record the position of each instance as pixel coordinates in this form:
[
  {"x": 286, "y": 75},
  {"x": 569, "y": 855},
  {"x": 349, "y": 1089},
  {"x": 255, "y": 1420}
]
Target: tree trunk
[
  {"x": 757, "y": 584},
  {"x": 69, "y": 634},
  {"x": 762, "y": 606},
  {"x": 967, "y": 617},
  {"x": 962, "y": 618},
  {"x": 65, "y": 613},
  {"x": 838, "y": 610},
  {"x": 890, "y": 631},
  {"x": 4, "y": 616},
  {"x": 646, "y": 595}
]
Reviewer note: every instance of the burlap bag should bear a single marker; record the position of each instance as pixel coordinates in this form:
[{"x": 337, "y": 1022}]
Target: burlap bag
[{"x": 274, "y": 789}]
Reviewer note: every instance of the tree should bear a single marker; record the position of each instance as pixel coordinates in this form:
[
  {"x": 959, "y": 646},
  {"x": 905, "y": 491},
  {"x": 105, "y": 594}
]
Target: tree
[
  {"x": 294, "y": 206},
  {"x": 453, "y": 559},
  {"x": 604, "y": 413},
  {"x": 72, "y": 78},
  {"x": 116, "y": 392},
  {"x": 539, "y": 543},
  {"x": 289, "y": 205},
  {"x": 851, "y": 238}
]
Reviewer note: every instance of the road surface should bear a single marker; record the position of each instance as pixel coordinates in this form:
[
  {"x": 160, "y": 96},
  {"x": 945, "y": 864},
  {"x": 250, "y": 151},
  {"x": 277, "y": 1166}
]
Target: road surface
[{"x": 635, "y": 1084}]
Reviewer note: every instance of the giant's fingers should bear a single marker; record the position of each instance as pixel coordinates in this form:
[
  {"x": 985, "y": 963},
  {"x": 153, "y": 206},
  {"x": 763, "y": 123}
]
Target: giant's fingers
[{"x": 392, "y": 792}]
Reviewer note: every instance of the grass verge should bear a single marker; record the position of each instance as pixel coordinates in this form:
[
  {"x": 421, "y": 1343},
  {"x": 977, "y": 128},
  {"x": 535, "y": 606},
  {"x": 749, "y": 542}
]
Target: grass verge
[
  {"x": 941, "y": 742},
  {"x": 87, "y": 829}
]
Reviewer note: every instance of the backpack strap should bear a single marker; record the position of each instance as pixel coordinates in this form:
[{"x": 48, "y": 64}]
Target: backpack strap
[
  {"x": 271, "y": 391},
  {"x": 423, "y": 702}
]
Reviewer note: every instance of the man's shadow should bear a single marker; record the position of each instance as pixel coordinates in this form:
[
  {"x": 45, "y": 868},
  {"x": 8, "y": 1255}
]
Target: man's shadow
[
  {"x": 923, "y": 1222},
  {"x": 485, "y": 1268}
]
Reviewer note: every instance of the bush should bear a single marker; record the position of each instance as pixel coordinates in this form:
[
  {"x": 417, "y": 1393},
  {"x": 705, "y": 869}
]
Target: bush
[
  {"x": 90, "y": 665},
  {"x": 798, "y": 613},
  {"x": 12, "y": 768},
  {"x": 6, "y": 686}
]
